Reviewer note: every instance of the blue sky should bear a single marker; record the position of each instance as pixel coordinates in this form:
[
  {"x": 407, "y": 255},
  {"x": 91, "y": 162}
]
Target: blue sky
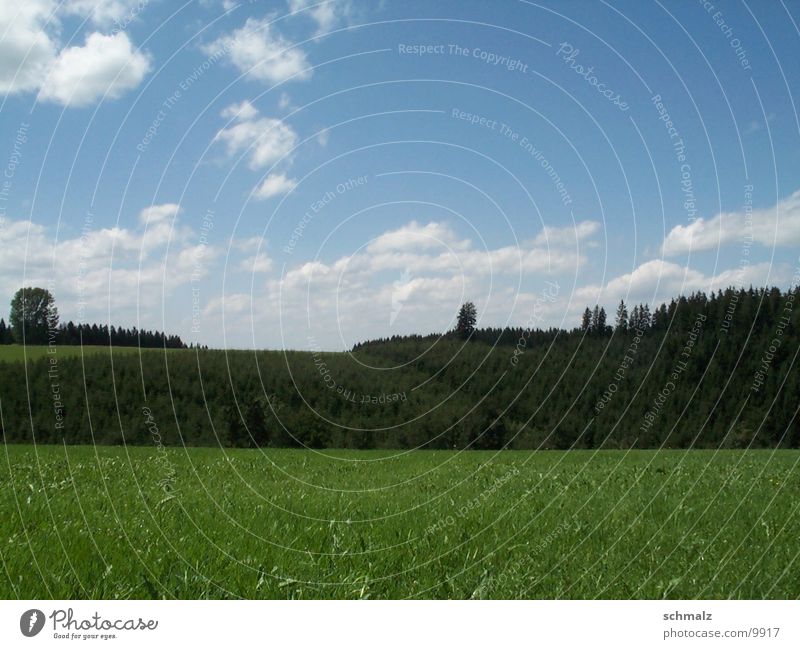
[{"x": 300, "y": 174}]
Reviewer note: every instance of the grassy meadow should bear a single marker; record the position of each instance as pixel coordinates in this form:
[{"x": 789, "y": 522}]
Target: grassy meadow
[
  {"x": 17, "y": 353},
  {"x": 115, "y": 522}
]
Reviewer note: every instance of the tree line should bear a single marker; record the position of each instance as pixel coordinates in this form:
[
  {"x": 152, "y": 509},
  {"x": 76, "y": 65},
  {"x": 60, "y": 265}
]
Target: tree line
[
  {"x": 703, "y": 371},
  {"x": 34, "y": 320}
]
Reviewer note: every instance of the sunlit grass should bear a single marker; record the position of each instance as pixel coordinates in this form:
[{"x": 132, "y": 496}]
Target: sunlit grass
[{"x": 140, "y": 523}]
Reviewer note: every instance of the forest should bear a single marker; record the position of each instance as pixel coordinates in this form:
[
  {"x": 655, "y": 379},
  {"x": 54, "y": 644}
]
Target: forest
[
  {"x": 33, "y": 320},
  {"x": 101, "y": 334},
  {"x": 704, "y": 371}
]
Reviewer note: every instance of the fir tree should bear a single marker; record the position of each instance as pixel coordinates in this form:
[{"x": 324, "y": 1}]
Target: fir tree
[
  {"x": 622, "y": 317},
  {"x": 467, "y": 318},
  {"x": 586, "y": 321}
]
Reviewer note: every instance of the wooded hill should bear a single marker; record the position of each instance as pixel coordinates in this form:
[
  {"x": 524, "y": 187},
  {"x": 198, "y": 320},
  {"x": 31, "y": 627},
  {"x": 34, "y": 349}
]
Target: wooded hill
[{"x": 702, "y": 371}]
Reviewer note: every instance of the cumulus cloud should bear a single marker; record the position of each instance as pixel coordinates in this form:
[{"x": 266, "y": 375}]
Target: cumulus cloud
[
  {"x": 266, "y": 139},
  {"x": 659, "y": 280},
  {"x": 776, "y": 226},
  {"x": 106, "y": 13},
  {"x": 408, "y": 279},
  {"x": 433, "y": 248},
  {"x": 429, "y": 269},
  {"x": 260, "y": 263},
  {"x": 121, "y": 267},
  {"x": 242, "y": 111},
  {"x": 232, "y": 304},
  {"x": 248, "y": 245},
  {"x": 326, "y": 15},
  {"x": 568, "y": 236},
  {"x": 260, "y": 52},
  {"x": 26, "y": 48},
  {"x": 104, "y": 66},
  {"x": 30, "y": 59},
  {"x": 275, "y": 185},
  {"x": 159, "y": 213},
  {"x": 414, "y": 236}
]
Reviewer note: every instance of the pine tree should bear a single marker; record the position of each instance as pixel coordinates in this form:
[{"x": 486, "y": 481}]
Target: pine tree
[
  {"x": 467, "y": 318},
  {"x": 633, "y": 322},
  {"x": 601, "y": 322},
  {"x": 622, "y": 317},
  {"x": 586, "y": 321},
  {"x": 660, "y": 317},
  {"x": 644, "y": 317}
]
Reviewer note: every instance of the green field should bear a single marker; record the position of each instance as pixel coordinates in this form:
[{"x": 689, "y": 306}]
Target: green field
[
  {"x": 15, "y": 353},
  {"x": 104, "y": 522}
]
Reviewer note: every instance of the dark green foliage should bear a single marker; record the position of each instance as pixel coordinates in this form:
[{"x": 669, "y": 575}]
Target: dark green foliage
[
  {"x": 594, "y": 321},
  {"x": 507, "y": 388},
  {"x": 640, "y": 317},
  {"x": 622, "y": 317},
  {"x": 34, "y": 321},
  {"x": 33, "y": 315},
  {"x": 5, "y": 333},
  {"x": 586, "y": 320},
  {"x": 467, "y": 319},
  {"x": 85, "y": 334}
]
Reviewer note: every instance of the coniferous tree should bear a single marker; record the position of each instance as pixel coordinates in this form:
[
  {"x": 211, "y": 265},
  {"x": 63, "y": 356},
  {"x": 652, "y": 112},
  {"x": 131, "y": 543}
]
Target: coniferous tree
[
  {"x": 660, "y": 318},
  {"x": 5, "y": 334},
  {"x": 595, "y": 319},
  {"x": 467, "y": 319},
  {"x": 644, "y": 317},
  {"x": 601, "y": 322},
  {"x": 633, "y": 322},
  {"x": 586, "y": 321},
  {"x": 622, "y": 317},
  {"x": 723, "y": 367}
]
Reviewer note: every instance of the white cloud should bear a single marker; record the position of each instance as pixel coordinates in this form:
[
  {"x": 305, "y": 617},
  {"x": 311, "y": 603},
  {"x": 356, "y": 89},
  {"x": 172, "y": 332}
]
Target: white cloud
[
  {"x": 775, "y": 226},
  {"x": 30, "y": 59},
  {"x": 415, "y": 237},
  {"x": 242, "y": 111},
  {"x": 106, "y": 13},
  {"x": 275, "y": 185},
  {"x": 326, "y": 15},
  {"x": 435, "y": 247},
  {"x": 260, "y": 263},
  {"x": 656, "y": 277},
  {"x": 567, "y": 236},
  {"x": 161, "y": 225},
  {"x": 159, "y": 213},
  {"x": 261, "y": 53},
  {"x": 230, "y": 303},
  {"x": 26, "y": 48},
  {"x": 428, "y": 267},
  {"x": 105, "y": 66},
  {"x": 658, "y": 281},
  {"x": 267, "y": 140},
  {"x": 126, "y": 268},
  {"x": 248, "y": 245}
]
